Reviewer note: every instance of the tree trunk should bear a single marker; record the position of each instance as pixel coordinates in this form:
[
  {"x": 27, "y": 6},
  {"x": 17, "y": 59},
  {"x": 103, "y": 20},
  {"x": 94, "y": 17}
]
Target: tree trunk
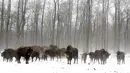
[
  {"x": 42, "y": 22},
  {"x": 2, "y": 22},
  {"x": 8, "y": 21},
  {"x": 53, "y": 26}
]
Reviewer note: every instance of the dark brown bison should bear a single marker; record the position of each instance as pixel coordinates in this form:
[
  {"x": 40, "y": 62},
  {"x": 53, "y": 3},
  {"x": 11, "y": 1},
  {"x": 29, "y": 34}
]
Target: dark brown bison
[
  {"x": 50, "y": 52},
  {"x": 24, "y": 52},
  {"x": 8, "y": 54},
  {"x": 120, "y": 57},
  {"x": 40, "y": 50},
  {"x": 104, "y": 56},
  {"x": 45, "y": 53},
  {"x": 36, "y": 55},
  {"x": 92, "y": 57},
  {"x": 53, "y": 51},
  {"x": 84, "y": 57},
  {"x": 71, "y": 53},
  {"x": 58, "y": 53},
  {"x": 97, "y": 56},
  {"x": 101, "y": 56}
]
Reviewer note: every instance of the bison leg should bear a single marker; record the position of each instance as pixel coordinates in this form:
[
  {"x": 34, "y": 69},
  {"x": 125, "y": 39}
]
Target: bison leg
[
  {"x": 11, "y": 59},
  {"x": 60, "y": 58},
  {"x": 74, "y": 60},
  {"x": 118, "y": 62},
  {"x": 32, "y": 59},
  {"x": 123, "y": 61},
  {"x": 70, "y": 62},
  {"x": 18, "y": 59},
  {"x": 36, "y": 59},
  {"x": 27, "y": 59},
  {"x": 53, "y": 58},
  {"x": 7, "y": 60},
  {"x": 27, "y": 62},
  {"x": 46, "y": 58},
  {"x": 81, "y": 60},
  {"x": 84, "y": 60}
]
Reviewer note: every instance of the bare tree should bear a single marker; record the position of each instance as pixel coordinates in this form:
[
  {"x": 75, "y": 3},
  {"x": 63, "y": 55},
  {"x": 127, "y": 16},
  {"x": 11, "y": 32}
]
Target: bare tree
[
  {"x": 2, "y": 21},
  {"x": 43, "y": 11},
  {"x": 54, "y": 23},
  {"x": 36, "y": 19},
  {"x": 76, "y": 23},
  {"x": 8, "y": 21}
]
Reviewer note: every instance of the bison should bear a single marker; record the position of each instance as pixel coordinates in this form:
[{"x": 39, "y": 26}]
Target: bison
[
  {"x": 36, "y": 55},
  {"x": 84, "y": 57},
  {"x": 8, "y": 54},
  {"x": 58, "y": 53},
  {"x": 71, "y": 53},
  {"x": 92, "y": 56},
  {"x": 24, "y": 52},
  {"x": 120, "y": 57},
  {"x": 101, "y": 56},
  {"x": 38, "y": 49},
  {"x": 51, "y": 53},
  {"x": 104, "y": 56}
]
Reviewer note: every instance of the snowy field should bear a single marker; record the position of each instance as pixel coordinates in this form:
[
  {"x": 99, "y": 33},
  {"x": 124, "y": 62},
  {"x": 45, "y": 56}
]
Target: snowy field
[{"x": 63, "y": 67}]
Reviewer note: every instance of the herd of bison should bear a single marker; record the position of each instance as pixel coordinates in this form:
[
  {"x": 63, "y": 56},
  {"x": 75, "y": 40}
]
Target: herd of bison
[{"x": 52, "y": 51}]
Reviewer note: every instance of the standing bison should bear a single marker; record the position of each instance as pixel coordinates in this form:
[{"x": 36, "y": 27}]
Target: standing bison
[
  {"x": 71, "y": 53},
  {"x": 120, "y": 57},
  {"x": 36, "y": 55},
  {"x": 92, "y": 56},
  {"x": 24, "y": 52},
  {"x": 101, "y": 56},
  {"x": 53, "y": 51},
  {"x": 84, "y": 57},
  {"x": 104, "y": 56},
  {"x": 50, "y": 52},
  {"x": 8, "y": 54}
]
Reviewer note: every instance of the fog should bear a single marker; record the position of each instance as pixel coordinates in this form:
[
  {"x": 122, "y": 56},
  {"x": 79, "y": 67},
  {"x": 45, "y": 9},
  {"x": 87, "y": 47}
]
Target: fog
[{"x": 85, "y": 24}]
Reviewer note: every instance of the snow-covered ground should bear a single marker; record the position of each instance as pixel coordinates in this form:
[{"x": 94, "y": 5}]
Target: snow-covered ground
[{"x": 63, "y": 67}]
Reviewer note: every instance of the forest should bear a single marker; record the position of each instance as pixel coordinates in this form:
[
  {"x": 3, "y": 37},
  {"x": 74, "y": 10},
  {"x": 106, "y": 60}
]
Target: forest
[{"x": 85, "y": 24}]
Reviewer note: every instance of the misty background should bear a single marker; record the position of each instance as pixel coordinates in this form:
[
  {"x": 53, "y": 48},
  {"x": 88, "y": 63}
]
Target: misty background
[{"x": 85, "y": 24}]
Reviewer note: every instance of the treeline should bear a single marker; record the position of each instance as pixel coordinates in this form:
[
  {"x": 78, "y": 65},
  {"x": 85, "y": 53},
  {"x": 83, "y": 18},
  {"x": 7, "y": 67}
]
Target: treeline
[{"x": 85, "y": 24}]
